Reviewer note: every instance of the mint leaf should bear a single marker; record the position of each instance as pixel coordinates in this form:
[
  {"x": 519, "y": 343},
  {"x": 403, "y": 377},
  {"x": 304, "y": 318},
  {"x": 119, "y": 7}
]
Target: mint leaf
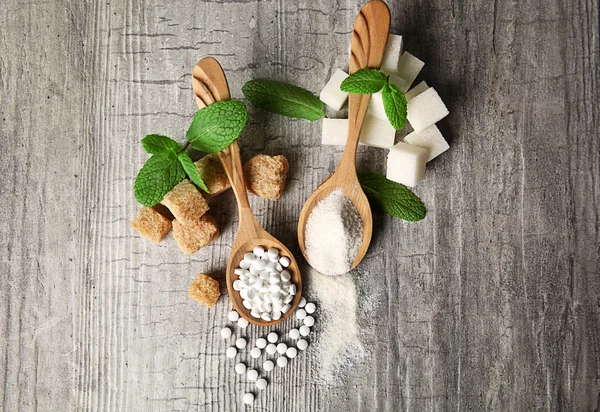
[
  {"x": 394, "y": 103},
  {"x": 364, "y": 81},
  {"x": 159, "y": 175},
  {"x": 155, "y": 143},
  {"x": 283, "y": 99},
  {"x": 394, "y": 198},
  {"x": 216, "y": 126},
  {"x": 190, "y": 168}
]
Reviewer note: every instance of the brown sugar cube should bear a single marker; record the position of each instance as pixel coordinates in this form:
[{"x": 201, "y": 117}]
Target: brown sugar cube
[
  {"x": 212, "y": 173},
  {"x": 151, "y": 224},
  {"x": 205, "y": 290},
  {"x": 191, "y": 237},
  {"x": 266, "y": 175},
  {"x": 185, "y": 202}
]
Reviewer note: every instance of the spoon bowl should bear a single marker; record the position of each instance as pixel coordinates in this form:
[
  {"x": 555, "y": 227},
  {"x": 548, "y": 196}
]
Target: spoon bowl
[
  {"x": 369, "y": 37},
  {"x": 210, "y": 85}
]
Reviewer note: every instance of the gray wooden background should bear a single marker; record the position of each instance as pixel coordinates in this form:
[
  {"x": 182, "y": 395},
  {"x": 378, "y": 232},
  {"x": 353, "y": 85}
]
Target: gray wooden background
[{"x": 491, "y": 303}]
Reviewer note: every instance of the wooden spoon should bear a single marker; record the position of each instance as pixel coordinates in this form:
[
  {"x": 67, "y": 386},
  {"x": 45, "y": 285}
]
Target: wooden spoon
[
  {"x": 210, "y": 85},
  {"x": 371, "y": 30}
]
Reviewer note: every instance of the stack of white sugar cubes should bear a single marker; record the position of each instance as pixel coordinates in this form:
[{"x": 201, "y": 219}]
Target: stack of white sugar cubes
[
  {"x": 407, "y": 159},
  {"x": 272, "y": 346},
  {"x": 265, "y": 284}
]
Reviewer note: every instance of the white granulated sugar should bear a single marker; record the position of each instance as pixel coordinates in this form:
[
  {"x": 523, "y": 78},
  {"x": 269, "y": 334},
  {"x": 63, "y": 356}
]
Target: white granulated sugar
[
  {"x": 333, "y": 234},
  {"x": 338, "y": 341}
]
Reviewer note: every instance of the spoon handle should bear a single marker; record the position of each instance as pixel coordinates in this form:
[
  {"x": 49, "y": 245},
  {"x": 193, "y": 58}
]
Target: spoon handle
[{"x": 232, "y": 163}]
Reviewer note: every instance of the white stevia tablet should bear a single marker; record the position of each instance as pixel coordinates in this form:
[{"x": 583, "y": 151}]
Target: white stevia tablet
[
  {"x": 408, "y": 68},
  {"x": 406, "y": 163},
  {"x": 255, "y": 353},
  {"x": 430, "y": 139},
  {"x": 294, "y": 333},
  {"x": 259, "y": 264},
  {"x": 250, "y": 257},
  {"x": 258, "y": 251},
  {"x": 261, "y": 384},
  {"x": 274, "y": 259},
  {"x": 273, "y": 252},
  {"x": 284, "y": 261},
  {"x": 225, "y": 333},
  {"x": 241, "y": 343},
  {"x": 331, "y": 94},
  {"x": 272, "y": 337},
  {"x": 252, "y": 374},
  {"x": 266, "y": 316},
  {"x": 286, "y": 308},
  {"x": 391, "y": 55},
  {"x": 425, "y": 110},
  {"x": 276, "y": 314},
  {"x": 244, "y": 264},
  {"x": 288, "y": 298},
  {"x": 302, "y": 344},
  {"x": 255, "y": 314},
  {"x": 271, "y": 348},
  {"x": 268, "y": 365},
  {"x": 248, "y": 398},
  {"x": 239, "y": 271},
  {"x": 233, "y": 316},
  {"x": 237, "y": 285},
  {"x": 261, "y": 343},
  {"x": 309, "y": 321},
  {"x": 247, "y": 303},
  {"x": 254, "y": 270},
  {"x": 282, "y": 361},
  {"x": 291, "y": 352},
  {"x": 275, "y": 280},
  {"x": 415, "y": 91},
  {"x": 278, "y": 266},
  {"x": 264, "y": 275},
  {"x": 302, "y": 302},
  {"x": 281, "y": 348},
  {"x": 240, "y": 368},
  {"x": 285, "y": 275},
  {"x": 310, "y": 307},
  {"x": 242, "y": 323},
  {"x": 244, "y": 294},
  {"x": 231, "y": 352},
  {"x": 300, "y": 314},
  {"x": 292, "y": 289},
  {"x": 304, "y": 330}
]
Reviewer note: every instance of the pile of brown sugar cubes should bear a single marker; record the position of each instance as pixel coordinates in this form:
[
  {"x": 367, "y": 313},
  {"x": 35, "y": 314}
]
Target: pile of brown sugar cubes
[{"x": 185, "y": 209}]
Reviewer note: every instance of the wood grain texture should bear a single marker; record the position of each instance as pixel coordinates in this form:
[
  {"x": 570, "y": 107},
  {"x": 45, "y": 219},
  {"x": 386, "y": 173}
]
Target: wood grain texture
[{"x": 490, "y": 303}]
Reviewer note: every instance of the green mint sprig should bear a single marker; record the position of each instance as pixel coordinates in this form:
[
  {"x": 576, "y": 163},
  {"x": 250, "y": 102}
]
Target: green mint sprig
[
  {"x": 369, "y": 81},
  {"x": 213, "y": 129},
  {"x": 284, "y": 99},
  {"x": 394, "y": 198}
]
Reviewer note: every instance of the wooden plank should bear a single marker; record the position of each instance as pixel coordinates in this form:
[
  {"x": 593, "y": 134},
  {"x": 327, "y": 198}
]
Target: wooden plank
[{"x": 490, "y": 303}]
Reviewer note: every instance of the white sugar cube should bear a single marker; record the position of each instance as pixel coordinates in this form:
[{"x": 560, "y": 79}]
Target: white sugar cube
[
  {"x": 408, "y": 69},
  {"x": 425, "y": 110},
  {"x": 391, "y": 55},
  {"x": 375, "y": 132},
  {"x": 417, "y": 90},
  {"x": 406, "y": 164},
  {"x": 375, "y": 107},
  {"x": 430, "y": 139},
  {"x": 331, "y": 94}
]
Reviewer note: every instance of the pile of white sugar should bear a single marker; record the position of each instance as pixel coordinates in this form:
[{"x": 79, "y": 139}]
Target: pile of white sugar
[{"x": 333, "y": 234}]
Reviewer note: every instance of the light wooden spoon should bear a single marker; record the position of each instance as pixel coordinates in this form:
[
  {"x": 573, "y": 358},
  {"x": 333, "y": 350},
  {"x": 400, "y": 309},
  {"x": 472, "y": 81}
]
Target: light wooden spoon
[
  {"x": 210, "y": 85},
  {"x": 371, "y": 30}
]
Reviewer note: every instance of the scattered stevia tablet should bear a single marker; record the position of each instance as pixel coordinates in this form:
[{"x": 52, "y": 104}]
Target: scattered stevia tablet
[
  {"x": 241, "y": 343},
  {"x": 252, "y": 374},
  {"x": 261, "y": 343},
  {"x": 271, "y": 348},
  {"x": 272, "y": 337},
  {"x": 281, "y": 348},
  {"x": 302, "y": 344},
  {"x": 248, "y": 398},
  {"x": 285, "y": 261},
  {"x": 309, "y": 321},
  {"x": 231, "y": 352},
  {"x": 233, "y": 316},
  {"x": 225, "y": 333},
  {"x": 294, "y": 333},
  {"x": 240, "y": 368},
  {"x": 258, "y": 251},
  {"x": 282, "y": 361},
  {"x": 310, "y": 307},
  {"x": 261, "y": 384},
  {"x": 268, "y": 365},
  {"x": 242, "y": 323},
  {"x": 300, "y": 314},
  {"x": 255, "y": 353},
  {"x": 302, "y": 303},
  {"x": 304, "y": 330},
  {"x": 291, "y": 352}
]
